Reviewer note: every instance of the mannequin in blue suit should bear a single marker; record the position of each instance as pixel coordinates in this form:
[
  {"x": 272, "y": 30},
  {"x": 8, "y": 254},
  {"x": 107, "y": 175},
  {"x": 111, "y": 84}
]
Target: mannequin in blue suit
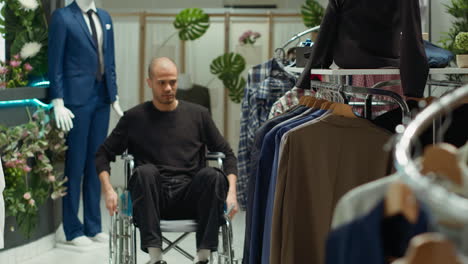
[{"x": 82, "y": 88}]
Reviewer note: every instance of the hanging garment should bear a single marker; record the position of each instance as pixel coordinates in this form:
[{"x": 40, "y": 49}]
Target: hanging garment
[
  {"x": 287, "y": 101},
  {"x": 263, "y": 178},
  {"x": 373, "y": 238},
  {"x": 359, "y": 201},
  {"x": 319, "y": 163},
  {"x": 197, "y": 94},
  {"x": 367, "y": 34},
  {"x": 256, "y": 150},
  {"x": 455, "y": 133},
  {"x": 280, "y": 136},
  {"x": 265, "y": 84},
  {"x": 2, "y": 205}
]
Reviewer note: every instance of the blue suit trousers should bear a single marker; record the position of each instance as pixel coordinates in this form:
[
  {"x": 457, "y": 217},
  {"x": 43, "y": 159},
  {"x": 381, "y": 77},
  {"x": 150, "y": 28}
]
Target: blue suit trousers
[{"x": 90, "y": 127}]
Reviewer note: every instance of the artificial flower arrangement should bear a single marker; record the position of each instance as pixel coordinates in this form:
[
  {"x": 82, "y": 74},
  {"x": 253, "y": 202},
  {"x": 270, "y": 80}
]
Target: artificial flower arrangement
[
  {"x": 14, "y": 73},
  {"x": 249, "y": 37},
  {"x": 30, "y": 154},
  {"x": 24, "y": 27}
]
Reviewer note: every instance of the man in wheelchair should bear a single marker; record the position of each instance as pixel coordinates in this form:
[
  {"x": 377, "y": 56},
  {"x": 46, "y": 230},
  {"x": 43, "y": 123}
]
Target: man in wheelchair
[{"x": 168, "y": 139}]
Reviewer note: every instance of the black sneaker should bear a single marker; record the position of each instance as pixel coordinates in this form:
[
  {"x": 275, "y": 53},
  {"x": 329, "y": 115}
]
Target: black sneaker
[
  {"x": 202, "y": 262},
  {"x": 160, "y": 262}
]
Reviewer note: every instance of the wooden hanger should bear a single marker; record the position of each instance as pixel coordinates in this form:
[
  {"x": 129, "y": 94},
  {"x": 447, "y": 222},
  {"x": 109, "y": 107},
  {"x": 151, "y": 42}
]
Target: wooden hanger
[
  {"x": 400, "y": 199},
  {"x": 317, "y": 103},
  {"x": 431, "y": 248},
  {"x": 302, "y": 99},
  {"x": 442, "y": 159},
  {"x": 342, "y": 110},
  {"x": 327, "y": 105}
]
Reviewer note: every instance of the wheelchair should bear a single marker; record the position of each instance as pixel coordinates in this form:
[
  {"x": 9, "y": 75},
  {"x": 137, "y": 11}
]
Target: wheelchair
[{"x": 122, "y": 234}]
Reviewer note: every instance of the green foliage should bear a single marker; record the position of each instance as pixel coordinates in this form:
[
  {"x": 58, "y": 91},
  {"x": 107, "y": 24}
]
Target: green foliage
[
  {"x": 228, "y": 68},
  {"x": 312, "y": 13},
  {"x": 192, "y": 23},
  {"x": 21, "y": 26},
  {"x": 30, "y": 153},
  {"x": 461, "y": 42},
  {"x": 459, "y": 10},
  {"x": 236, "y": 88},
  {"x": 228, "y": 65}
]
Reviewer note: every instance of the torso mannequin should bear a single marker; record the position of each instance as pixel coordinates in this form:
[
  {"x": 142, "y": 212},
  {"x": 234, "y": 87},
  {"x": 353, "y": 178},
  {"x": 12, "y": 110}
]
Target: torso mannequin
[
  {"x": 191, "y": 92},
  {"x": 184, "y": 81}
]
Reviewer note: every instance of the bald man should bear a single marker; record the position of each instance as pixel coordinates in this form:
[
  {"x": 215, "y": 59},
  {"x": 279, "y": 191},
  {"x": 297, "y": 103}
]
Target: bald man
[{"x": 168, "y": 139}]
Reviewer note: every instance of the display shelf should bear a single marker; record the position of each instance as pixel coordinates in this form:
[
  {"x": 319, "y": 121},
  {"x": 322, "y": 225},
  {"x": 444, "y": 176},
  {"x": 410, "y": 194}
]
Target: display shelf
[{"x": 450, "y": 70}]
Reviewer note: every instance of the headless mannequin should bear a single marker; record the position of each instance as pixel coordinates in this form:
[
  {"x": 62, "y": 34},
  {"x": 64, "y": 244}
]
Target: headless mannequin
[
  {"x": 63, "y": 115},
  {"x": 92, "y": 117},
  {"x": 184, "y": 81}
]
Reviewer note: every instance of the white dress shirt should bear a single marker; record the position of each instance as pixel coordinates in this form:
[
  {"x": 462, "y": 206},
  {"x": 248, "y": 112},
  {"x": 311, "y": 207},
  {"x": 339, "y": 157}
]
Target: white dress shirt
[{"x": 98, "y": 25}]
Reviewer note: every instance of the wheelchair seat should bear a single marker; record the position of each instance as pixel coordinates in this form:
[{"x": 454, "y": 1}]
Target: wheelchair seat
[
  {"x": 122, "y": 243},
  {"x": 182, "y": 226}
]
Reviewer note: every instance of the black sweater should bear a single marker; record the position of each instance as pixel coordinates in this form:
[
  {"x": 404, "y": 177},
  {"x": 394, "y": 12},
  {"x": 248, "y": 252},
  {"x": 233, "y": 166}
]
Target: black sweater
[{"x": 175, "y": 141}]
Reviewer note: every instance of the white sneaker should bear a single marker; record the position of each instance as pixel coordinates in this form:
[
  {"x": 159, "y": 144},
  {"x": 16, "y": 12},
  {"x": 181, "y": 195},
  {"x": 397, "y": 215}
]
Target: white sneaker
[
  {"x": 100, "y": 238},
  {"x": 80, "y": 241}
]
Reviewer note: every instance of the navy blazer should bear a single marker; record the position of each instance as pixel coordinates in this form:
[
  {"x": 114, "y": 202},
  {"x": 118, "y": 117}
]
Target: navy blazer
[{"x": 72, "y": 56}]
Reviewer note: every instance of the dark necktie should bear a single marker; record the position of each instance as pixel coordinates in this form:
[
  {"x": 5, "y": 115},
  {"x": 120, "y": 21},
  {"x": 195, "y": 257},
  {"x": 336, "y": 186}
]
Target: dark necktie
[{"x": 95, "y": 39}]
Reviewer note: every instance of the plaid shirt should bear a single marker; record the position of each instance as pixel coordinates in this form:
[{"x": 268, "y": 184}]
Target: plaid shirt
[
  {"x": 287, "y": 101},
  {"x": 265, "y": 84}
]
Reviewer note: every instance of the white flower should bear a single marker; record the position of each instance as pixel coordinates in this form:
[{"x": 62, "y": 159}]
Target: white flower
[
  {"x": 29, "y": 5},
  {"x": 30, "y": 49}
]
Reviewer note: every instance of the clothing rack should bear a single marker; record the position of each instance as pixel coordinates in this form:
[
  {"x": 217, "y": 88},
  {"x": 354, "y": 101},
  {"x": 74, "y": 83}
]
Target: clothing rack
[
  {"x": 294, "y": 38},
  {"x": 453, "y": 205},
  {"x": 363, "y": 90},
  {"x": 298, "y": 35}
]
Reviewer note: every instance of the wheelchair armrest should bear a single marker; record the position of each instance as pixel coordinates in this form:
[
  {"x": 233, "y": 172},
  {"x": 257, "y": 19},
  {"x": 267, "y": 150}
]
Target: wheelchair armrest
[
  {"x": 129, "y": 165},
  {"x": 215, "y": 155}
]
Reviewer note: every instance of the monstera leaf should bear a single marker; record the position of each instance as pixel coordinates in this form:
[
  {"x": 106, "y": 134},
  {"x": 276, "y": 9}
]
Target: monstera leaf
[
  {"x": 236, "y": 88},
  {"x": 228, "y": 66},
  {"x": 192, "y": 23},
  {"x": 312, "y": 13}
]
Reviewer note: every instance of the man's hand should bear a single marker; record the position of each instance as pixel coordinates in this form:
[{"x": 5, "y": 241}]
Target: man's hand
[
  {"x": 63, "y": 116},
  {"x": 110, "y": 195},
  {"x": 111, "y": 201},
  {"x": 232, "y": 205}
]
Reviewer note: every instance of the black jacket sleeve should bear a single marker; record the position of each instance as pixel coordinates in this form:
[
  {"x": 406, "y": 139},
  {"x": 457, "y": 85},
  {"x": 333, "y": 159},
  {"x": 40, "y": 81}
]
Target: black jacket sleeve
[
  {"x": 115, "y": 144},
  {"x": 414, "y": 68},
  {"x": 215, "y": 142},
  {"x": 322, "y": 51}
]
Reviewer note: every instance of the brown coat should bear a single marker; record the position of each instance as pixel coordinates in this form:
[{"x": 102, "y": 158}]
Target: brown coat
[{"x": 320, "y": 163}]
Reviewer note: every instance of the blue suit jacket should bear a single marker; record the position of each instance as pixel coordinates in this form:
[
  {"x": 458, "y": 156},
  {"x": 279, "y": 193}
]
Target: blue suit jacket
[{"x": 72, "y": 56}]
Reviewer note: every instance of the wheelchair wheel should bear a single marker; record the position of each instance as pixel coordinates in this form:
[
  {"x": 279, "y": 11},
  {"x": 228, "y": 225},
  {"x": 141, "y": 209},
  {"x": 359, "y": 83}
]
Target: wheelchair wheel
[
  {"x": 113, "y": 252},
  {"x": 226, "y": 251}
]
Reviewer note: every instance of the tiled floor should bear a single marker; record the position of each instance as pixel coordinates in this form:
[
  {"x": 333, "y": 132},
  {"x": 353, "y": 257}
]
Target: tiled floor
[{"x": 100, "y": 253}]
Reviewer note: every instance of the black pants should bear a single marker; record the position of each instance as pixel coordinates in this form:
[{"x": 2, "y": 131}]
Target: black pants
[{"x": 157, "y": 197}]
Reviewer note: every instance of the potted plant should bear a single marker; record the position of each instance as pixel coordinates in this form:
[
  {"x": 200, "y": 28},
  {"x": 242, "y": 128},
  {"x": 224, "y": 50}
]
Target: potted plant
[{"x": 461, "y": 43}]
